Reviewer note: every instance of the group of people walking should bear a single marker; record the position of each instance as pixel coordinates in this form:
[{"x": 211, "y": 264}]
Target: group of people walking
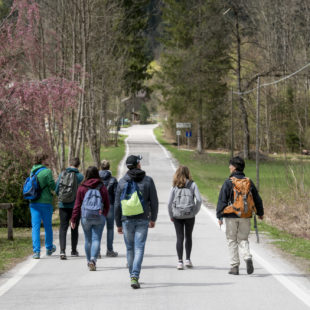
[{"x": 98, "y": 199}]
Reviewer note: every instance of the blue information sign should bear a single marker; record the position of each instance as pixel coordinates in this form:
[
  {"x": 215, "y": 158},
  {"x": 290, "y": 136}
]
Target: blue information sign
[{"x": 188, "y": 134}]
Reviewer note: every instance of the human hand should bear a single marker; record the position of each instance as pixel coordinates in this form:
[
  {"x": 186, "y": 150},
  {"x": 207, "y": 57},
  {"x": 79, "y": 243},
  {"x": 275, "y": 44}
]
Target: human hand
[
  {"x": 172, "y": 220},
  {"x": 151, "y": 224},
  {"x": 261, "y": 217},
  {"x": 220, "y": 222},
  {"x": 120, "y": 230},
  {"x": 73, "y": 225}
]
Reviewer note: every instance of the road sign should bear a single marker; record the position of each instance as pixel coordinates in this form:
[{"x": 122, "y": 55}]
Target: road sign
[
  {"x": 183, "y": 125},
  {"x": 178, "y": 132},
  {"x": 188, "y": 134}
]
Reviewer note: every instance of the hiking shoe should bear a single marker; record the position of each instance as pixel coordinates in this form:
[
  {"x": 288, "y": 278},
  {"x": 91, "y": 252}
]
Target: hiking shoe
[
  {"x": 36, "y": 255},
  {"x": 75, "y": 253},
  {"x": 63, "y": 256},
  {"x": 134, "y": 283},
  {"x": 180, "y": 266},
  {"x": 249, "y": 266},
  {"x": 91, "y": 266},
  {"x": 50, "y": 252},
  {"x": 234, "y": 270},
  {"x": 111, "y": 253},
  {"x": 188, "y": 263}
]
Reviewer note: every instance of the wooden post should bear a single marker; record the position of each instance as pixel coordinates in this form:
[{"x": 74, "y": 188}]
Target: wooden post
[{"x": 9, "y": 207}]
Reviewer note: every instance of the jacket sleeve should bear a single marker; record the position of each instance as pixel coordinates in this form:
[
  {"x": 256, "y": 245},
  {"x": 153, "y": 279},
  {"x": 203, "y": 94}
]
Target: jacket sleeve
[
  {"x": 57, "y": 185},
  {"x": 153, "y": 201},
  {"x": 170, "y": 201},
  {"x": 257, "y": 200},
  {"x": 106, "y": 201},
  {"x": 76, "y": 213},
  {"x": 223, "y": 199},
  {"x": 117, "y": 206},
  {"x": 50, "y": 181},
  {"x": 198, "y": 198}
]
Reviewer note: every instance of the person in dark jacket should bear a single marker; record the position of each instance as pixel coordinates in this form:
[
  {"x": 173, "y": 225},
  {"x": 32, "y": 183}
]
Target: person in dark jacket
[
  {"x": 92, "y": 228},
  {"x": 111, "y": 184},
  {"x": 135, "y": 228},
  {"x": 42, "y": 208},
  {"x": 237, "y": 229},
  {"x": 65, "y": 213}
]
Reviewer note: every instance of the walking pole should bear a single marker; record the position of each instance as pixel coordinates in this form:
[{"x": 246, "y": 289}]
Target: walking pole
[{"x": 257, "y": 150}]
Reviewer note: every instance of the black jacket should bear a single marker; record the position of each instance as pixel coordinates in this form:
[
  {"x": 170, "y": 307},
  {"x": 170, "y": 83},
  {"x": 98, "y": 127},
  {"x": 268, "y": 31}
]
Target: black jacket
[
  {"x": 147, "y": 187},
  {"x": 110, "y": 183},
  {"x": 226, "y": 196}
]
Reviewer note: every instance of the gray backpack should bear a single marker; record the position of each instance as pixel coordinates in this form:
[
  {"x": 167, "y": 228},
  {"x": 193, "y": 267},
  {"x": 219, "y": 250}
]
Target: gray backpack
[
  {"x": 68, "y": 185},
  {"x": 183, "y": 205}
]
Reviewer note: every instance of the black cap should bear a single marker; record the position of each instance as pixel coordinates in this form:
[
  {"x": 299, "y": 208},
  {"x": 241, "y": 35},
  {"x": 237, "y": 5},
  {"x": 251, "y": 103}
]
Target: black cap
[{"x": 132, "y": 161}]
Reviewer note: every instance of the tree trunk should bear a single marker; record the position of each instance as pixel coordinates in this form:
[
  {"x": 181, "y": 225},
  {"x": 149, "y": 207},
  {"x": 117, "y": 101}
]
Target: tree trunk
[{"x": 199, "y": 129}]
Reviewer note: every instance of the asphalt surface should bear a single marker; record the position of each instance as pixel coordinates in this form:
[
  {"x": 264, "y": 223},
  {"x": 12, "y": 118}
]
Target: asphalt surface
[{"x": 49, "y": 283}]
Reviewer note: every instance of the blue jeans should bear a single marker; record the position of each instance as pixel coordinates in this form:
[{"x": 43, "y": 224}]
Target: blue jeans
[
  {"x": 110, "y": 228},
  {"x": 44, "y": 212},
  {"x": 135, "y": 234},
  {"x": 93, "y": 232}
]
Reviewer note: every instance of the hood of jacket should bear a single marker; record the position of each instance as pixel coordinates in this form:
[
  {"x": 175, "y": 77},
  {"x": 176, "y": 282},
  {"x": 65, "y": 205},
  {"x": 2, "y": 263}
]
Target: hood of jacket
[
  {"x": 92, "y": 183},
  {"x": 36, "y": 167},
  {"x": 237, "y": 174},
  {"x": 71, "y": 169},
  {"x": 136, "y": 174},
  {"x": 105, "y": 174}
]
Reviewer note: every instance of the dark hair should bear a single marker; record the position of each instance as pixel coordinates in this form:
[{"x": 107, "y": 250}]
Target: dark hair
[
  {"x": 181, "y": 176},
  {"x": 105, "y": 165},
  {"x": 75, "y": 162},
  {"x": 238, "y": 163},
  {"x": 91, "y": 173},
  {"x": 39, "y": 158}
]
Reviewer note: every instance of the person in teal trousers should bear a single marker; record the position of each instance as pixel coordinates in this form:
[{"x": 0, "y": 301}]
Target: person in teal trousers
[{"x": 42, "y": 208}]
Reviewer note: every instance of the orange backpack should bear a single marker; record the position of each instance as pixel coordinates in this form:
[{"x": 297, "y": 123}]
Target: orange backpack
[{"x": 243, "y": 205}]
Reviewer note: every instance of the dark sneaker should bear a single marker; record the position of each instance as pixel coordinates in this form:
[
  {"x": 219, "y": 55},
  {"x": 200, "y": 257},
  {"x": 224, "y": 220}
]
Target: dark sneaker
[
  {"x": 63, "y": 256},
  {"x": 36, "y": 255},
  {"x": 99, "y": 255},
  {"x": 134, "y": 283},
  {"x": 50, "y": 252},
  {"x": 234, "y": 270},
  {"x": 111, "y": 253},
  {"x": 74, "y": 253},
  {"x": 92, "y": 266},
  {"x": 249, "y": 266}
]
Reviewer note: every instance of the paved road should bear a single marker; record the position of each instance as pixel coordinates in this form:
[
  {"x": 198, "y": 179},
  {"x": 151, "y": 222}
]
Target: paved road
[{"x": 53, "y": 284}]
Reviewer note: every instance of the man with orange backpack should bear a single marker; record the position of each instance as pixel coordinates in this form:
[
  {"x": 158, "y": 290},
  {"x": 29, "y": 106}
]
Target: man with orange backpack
[{"x": 238, "y": 200}]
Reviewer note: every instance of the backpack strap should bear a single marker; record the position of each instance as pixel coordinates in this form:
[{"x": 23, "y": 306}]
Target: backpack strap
[{"x": 36, "y": 172}]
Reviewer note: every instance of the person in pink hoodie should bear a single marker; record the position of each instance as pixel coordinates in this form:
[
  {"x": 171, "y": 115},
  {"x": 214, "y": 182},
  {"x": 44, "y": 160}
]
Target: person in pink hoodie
[{"x": 92, "y": 205}]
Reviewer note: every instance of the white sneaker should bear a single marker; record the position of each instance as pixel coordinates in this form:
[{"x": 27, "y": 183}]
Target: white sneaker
[
  {"x": 188, "y": 263},
  {"x": 180, "y": 266}
]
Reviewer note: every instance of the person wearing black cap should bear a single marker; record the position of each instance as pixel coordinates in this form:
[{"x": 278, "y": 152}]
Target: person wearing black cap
[
  {"x": 135, "y": 227},
  {"x": 238, "y": 225}
]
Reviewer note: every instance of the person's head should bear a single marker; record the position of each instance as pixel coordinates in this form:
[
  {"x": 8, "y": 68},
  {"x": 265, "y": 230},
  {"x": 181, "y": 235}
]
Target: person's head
[
  {"x": 41, "y": 159},
  {"x": 91, "y": 173},
  {"x": 133, "y": 161},
  {"x": 236, "y": 164},
  {"x": 105, "y": 165},
  {"x": 181, "y": 176},
  {"x": 75, "y": 162}
]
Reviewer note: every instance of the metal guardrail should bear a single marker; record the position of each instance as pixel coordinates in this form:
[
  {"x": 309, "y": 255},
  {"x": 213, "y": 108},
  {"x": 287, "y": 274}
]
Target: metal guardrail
[{"x": 9, "y": 207}]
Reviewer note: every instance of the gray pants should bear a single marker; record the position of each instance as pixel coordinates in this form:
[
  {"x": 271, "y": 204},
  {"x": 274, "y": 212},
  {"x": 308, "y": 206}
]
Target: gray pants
[{"x": 237, "y": 234}]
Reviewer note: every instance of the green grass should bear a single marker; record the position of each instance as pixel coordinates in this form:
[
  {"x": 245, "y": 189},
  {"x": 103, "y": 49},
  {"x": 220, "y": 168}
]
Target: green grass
[
  {"x": 278, "y": 183},
  {"x": 12, "y": 252}
]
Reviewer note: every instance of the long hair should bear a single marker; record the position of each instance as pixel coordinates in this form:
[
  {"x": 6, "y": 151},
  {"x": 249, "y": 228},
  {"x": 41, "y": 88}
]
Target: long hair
[
  {"x": 181, "y": 176},
  {"x": 91, "y": 173}
]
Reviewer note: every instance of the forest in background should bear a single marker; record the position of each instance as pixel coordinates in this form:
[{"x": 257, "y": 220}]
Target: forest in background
[{"x": 73, "y": 70}]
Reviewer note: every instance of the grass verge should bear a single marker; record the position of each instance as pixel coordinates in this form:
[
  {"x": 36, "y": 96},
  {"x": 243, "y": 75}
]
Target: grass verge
[{"x": 209, "y": 171}]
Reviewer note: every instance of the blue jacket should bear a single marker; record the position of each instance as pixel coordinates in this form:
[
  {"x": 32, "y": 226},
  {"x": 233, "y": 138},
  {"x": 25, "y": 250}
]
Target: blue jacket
[{"x": 80, "y": 178}]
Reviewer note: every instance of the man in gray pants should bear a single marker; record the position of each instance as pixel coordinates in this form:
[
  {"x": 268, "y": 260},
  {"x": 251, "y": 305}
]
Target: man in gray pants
[{"x": 237, "y": 228}]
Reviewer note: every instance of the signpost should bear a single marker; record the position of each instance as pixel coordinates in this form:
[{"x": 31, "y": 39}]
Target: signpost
[
  {"x": 178, "y": 135},
  {"x": 183, "y": 125},
  {"x": 188, "y": 133}
]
